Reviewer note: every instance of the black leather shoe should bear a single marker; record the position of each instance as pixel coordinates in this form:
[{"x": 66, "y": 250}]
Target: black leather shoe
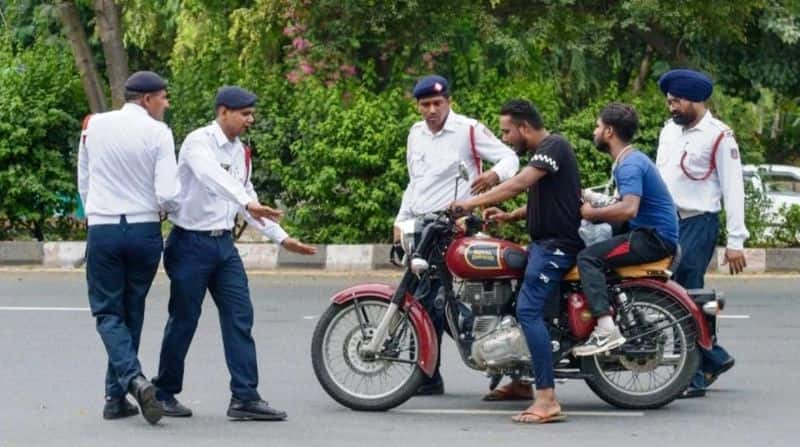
[
  {"x": 254, "y": 409},
  {"x": 692, "y": 392},
  {"x": 726, "y": 365},
  {"x": 118, "y": 408},
  {"x": 175, "y": 409},
  {"x": 145, "y": 394},
  {"x": 431, "y": 387}
]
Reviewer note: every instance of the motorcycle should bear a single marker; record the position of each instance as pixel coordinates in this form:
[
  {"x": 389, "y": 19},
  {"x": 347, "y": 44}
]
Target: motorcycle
[{"x": 374, "y": 345}]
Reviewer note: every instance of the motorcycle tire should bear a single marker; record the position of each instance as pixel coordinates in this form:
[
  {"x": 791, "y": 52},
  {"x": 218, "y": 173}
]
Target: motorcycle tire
[
  {"x": 346, "y": 397},
  {"x": 632, "y": 401}
]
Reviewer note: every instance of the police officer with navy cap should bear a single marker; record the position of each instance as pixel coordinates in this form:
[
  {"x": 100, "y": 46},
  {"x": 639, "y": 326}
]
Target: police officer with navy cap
[
  {"x": 126, "y": 178},
  {"x": 436, "y": 147},
  {"x": 214, "y": 171},
  {"x": 698, "y": 158}
]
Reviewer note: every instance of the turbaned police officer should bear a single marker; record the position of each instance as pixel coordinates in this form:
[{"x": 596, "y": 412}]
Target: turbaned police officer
[
  {"x": 126, "y": 176},
  {"x": 698, "y": 157},
  {"x": 200, "y": 255}
]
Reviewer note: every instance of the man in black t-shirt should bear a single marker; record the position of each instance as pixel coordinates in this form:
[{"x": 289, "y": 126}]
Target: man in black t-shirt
[{"x": 553, "y": 212}]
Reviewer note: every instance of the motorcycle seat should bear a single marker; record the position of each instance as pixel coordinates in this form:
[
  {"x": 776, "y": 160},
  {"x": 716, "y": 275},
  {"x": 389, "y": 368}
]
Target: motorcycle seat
[{"x": 660, "y": 268}]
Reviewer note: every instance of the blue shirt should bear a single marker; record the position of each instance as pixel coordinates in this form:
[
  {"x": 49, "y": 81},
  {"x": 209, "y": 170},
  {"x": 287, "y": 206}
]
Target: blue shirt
[{"x": 637, "y": 175}]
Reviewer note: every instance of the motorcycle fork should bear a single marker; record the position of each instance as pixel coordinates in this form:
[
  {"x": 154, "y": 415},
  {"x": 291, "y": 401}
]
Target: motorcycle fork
[{"x": 398, "y": 299}]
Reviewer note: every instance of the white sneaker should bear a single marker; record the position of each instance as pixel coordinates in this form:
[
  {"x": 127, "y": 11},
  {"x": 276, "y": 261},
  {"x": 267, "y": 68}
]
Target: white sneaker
[{"x": 598, "y": 343}]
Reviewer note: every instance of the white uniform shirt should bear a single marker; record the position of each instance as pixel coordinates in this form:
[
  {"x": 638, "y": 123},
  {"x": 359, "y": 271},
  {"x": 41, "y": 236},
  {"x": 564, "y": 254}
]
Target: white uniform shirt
[
  {"x": 215, "y": 184},
  {"x": 725, "y": 183},
  {"x": 126, "y": 165},
  {"x": 433, "y": 161}
]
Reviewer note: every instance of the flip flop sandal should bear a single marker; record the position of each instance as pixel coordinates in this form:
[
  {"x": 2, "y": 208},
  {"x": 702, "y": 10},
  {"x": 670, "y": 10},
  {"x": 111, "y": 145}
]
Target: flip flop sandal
[{"x": 539, "y": 419}]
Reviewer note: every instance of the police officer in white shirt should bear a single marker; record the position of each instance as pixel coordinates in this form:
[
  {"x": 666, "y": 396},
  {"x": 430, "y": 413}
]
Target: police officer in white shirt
[
  {"x": 126, "y": 177},
  {"x": 435, "y": 148},
  {"x": 699, "y": 160},
  {"x": 214, "y": 170}
]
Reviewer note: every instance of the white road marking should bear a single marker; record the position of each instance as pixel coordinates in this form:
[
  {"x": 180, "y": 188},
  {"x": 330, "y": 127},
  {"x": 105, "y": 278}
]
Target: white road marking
[
  {"x": 511, "y": 412},
  {"x": 62, "y": 309},
  {"x": 309, "y": 317},
  {"x": 735, "y": 317}
]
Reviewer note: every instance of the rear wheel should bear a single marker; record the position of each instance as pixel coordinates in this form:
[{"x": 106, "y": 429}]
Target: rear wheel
[
  {"x": 356, "y": 381},
  {"x": 653, "y": 369}
]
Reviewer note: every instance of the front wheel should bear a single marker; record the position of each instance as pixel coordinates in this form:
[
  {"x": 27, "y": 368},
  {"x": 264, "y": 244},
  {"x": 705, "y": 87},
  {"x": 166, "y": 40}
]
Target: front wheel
[
  {"x": 652, "y": 370},
  {"x": 356, "y": 381}
]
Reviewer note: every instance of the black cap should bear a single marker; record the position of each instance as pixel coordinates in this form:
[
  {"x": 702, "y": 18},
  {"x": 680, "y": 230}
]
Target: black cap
[
  {"x": 145, "y": 82},
  {"x": 234, "y": 97},
  {"x": 432, "y": 85}
]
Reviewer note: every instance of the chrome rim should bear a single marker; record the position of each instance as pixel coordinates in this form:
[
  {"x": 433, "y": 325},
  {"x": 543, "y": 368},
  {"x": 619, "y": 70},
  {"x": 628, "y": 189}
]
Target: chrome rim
[
  {"x": 357, "y": 376},
  {"x": 655, "y": 372}
]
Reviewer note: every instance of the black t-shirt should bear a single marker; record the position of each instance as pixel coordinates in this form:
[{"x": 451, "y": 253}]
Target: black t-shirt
[{"x": 554, "y": 202}]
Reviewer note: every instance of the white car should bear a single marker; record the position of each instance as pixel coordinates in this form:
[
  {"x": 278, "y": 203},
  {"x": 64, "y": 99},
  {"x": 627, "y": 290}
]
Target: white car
[{"x": 780, "y": 183}]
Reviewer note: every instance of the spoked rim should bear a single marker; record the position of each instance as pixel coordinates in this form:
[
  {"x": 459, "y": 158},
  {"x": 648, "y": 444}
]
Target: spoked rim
[
  {"x": 356, "y": 376},
  {"x": 654, "y": 373}
]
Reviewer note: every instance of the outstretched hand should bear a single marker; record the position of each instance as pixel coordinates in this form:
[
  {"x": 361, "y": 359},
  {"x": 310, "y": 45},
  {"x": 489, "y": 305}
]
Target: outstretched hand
[
  {"x": 296, "y": 246},
  {"x": 258, "y": 211}
]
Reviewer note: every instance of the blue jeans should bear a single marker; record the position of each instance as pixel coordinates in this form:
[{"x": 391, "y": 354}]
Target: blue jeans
[
  {"x": 196, "y": 262},
  {"x": 121, "y": 262},
  {"x": 543, "y": 274},
  {"x": 426, "y": 294},
  {"x": 698, "y": 239}
]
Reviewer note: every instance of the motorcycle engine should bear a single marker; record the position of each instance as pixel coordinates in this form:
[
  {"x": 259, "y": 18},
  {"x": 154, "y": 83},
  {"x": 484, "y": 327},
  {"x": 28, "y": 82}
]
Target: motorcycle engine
[
  {"x": 504, "y": 347},
  {"x": 499, "y": 341}
]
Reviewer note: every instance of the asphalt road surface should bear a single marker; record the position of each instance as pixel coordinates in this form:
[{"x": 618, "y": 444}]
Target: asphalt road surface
[{"x": 52, "y": 368}]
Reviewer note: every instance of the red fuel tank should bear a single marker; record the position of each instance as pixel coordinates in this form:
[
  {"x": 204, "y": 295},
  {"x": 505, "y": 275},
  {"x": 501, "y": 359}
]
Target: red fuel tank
[
  {"x": 486, "y": 258},
  {"x": 579, "y": 316}
]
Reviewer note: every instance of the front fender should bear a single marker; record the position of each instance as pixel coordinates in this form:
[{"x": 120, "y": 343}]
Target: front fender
[
  {"x": 428, "y": 352},
  {"x": 674, "y": 289}
]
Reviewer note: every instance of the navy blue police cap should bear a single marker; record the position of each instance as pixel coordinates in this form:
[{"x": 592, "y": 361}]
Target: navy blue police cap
[
  {"x": 145, "y": 82},
  {"x": 432, "y": 85},
  {"x": 234, "y": 97},
  {"x": 687, "y": 84}
]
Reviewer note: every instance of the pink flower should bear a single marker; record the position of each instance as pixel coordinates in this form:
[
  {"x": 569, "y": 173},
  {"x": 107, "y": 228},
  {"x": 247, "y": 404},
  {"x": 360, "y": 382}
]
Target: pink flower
[
  {"x": 301, "y": 44},
  {"x": 289, "y": 31},
  {"x": 306, "y": 68},
  {"x": 348, "y": 70},
  {"x": 293, "y": 77}
]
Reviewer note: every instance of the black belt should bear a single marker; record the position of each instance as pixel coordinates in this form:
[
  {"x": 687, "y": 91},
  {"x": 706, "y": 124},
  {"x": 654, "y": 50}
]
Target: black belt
[{"x": 209, "y": 233}]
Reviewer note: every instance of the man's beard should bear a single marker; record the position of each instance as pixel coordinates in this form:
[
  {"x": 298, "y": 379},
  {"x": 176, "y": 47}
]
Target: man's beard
[
  {"x": 682, "y": 119},
  {"x": 520, "y": 148},
  {"x": 601, "y": 146}
]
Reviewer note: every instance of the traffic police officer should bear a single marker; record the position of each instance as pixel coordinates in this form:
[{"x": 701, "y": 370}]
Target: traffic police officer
[
  {"x": 435, "y": 148},
  {"x": 126, "y": 177},
  {"x": 699, "y": 160},
  {"x": 214, "y": 173}
]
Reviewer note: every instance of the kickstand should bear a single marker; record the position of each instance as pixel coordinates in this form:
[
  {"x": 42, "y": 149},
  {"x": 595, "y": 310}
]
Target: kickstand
[{"x": 495, "y": 381}]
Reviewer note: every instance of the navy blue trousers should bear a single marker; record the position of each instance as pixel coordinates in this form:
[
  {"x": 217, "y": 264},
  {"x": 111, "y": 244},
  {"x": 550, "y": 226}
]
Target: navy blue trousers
[
  {"x": 543, "y": 274},
  {"x": 121, "y": 262},
  {"x": 698, "y": 239},
  {"x": 195, "y": 263}
]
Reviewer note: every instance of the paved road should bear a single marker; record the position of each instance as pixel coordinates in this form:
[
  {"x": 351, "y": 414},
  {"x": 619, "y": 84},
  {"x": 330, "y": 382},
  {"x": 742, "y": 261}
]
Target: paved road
[{"x": 52, "y": 371}]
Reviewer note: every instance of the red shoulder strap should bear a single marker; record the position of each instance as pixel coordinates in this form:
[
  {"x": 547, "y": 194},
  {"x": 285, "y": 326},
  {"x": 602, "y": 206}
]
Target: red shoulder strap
[
  {"x": 85, "y": 124},
  {"x": 711, "y": 166},
  {"x": 247, "y": 160},
  {"x": 478, "y": 164}
]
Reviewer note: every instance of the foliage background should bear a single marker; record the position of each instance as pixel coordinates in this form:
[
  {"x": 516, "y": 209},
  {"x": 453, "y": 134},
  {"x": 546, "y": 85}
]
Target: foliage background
[{"x": 334, "y": 76}]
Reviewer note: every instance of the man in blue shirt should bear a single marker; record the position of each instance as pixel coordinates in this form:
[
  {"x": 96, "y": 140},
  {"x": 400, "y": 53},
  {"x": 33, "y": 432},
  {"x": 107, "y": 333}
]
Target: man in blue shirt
[{"x": 644, "y": 203}]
